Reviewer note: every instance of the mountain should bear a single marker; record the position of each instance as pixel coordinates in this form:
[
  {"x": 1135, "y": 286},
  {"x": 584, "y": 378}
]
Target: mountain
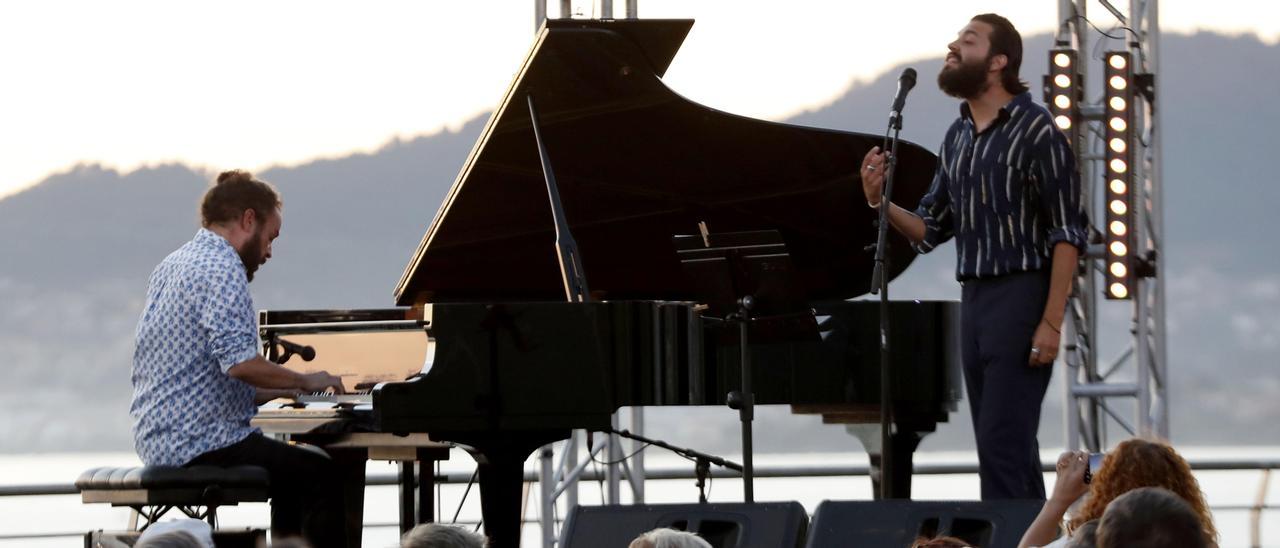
[{"x": 78, "y": 247}]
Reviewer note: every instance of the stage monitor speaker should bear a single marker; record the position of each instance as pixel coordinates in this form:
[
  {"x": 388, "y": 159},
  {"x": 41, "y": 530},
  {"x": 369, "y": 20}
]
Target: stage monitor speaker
[
  {"x": 899, "y": 522},
  {"x": 724, "y": 525}
]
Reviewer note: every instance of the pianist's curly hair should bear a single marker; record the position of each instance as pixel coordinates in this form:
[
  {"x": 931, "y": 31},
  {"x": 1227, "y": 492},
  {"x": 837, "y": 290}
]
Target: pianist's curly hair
[
  {"x": 234, "y": 192},
  {"x": 1144, "y": 463}
]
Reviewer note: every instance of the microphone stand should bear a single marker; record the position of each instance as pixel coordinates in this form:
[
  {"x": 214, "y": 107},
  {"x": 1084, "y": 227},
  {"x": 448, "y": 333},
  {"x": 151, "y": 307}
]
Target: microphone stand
[
  {"x": 701, "y": 461},
  {"x": 880, "y": 285}
]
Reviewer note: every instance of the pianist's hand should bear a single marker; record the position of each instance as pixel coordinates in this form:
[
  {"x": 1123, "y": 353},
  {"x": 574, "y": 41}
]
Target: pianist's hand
[
  {"x": 873, "y": 176},
  {"x": 321, "y": 381},
  {"x": 264, "y": 395}
]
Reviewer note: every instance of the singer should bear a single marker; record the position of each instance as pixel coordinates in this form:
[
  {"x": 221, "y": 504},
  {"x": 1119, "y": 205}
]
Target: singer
[
  {"x": 1007, "y": 190},
  {"x": 197, "y": 371}
]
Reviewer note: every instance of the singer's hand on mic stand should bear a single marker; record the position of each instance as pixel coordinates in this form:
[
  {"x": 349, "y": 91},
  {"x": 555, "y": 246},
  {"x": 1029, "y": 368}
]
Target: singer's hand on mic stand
[{"x": 873, "y": 165}]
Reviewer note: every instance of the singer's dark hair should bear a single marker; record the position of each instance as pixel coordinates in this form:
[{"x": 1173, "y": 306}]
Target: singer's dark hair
[{"x": 1006, "y": 41}]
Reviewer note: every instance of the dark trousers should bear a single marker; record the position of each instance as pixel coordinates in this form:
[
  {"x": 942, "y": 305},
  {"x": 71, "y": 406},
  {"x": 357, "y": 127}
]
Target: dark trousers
[
  {"x": 306, "y": 488},
  {"x": 998, "y": 318}
]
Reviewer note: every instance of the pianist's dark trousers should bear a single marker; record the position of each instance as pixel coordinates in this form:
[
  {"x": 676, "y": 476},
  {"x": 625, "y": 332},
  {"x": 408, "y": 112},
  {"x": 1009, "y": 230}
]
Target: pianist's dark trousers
[
  {"x": 306, "y": 489},
  {"x": 998, "y": 318}
]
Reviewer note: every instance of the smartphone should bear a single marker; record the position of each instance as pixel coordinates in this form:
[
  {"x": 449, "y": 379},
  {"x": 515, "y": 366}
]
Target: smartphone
[{"x": 1095, "y": 463}]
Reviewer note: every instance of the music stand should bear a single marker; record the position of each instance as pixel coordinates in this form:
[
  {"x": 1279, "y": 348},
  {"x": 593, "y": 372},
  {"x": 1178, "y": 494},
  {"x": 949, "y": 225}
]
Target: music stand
[{"x": 746, "y": 278}]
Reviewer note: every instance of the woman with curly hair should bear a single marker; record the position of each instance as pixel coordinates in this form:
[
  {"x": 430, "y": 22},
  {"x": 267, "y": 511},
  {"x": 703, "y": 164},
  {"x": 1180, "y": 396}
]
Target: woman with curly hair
[{"x": 1132, "y": 464}]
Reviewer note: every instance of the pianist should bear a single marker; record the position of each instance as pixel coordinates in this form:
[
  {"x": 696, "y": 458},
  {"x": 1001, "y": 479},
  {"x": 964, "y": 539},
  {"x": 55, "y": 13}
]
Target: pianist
[
  {"x": 197, "y": 374},
  {"x": 1007, "y": 190}
]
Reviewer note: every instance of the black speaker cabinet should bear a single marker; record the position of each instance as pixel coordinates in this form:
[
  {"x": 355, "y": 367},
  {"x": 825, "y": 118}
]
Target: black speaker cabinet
[
  {"x": 727, "y": 525},
  {"x": 897, "y": 523}
]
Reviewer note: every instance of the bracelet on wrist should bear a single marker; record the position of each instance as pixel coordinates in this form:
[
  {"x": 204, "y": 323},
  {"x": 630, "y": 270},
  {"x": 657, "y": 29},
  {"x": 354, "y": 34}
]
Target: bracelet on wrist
[{"x": 1050, "y": 324}]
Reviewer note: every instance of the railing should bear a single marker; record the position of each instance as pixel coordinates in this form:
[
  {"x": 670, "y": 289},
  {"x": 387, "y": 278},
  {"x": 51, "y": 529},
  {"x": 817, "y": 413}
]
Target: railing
[{"x": 764, "y": 471}]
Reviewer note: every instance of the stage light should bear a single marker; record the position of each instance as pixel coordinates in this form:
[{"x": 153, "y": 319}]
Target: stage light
[
  {"x": 1120, "y": 166},
  {"x": 1062, "y": 92}
]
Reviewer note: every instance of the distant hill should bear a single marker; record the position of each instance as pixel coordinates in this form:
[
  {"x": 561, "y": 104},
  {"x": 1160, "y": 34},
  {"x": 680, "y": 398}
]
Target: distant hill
[{"x": 78, "y": 247}]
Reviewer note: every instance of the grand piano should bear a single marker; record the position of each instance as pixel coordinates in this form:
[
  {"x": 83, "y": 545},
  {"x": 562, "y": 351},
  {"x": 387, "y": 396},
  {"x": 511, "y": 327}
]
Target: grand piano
[{"x": 512, "y": 363}]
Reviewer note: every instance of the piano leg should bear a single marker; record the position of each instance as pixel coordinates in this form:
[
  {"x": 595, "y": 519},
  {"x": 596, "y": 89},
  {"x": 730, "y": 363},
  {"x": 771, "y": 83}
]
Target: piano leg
[
  {"x": 501, "y": 481},
  {"x": 500, "y": 466},
  {"x": 904, "y": 442}
]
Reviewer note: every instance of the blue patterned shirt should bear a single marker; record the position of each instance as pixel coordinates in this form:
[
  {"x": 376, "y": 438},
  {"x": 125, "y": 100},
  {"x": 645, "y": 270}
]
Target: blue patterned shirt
[
  {"x": 198, "y": 321},
  {"x": 1007, "y": 195}
]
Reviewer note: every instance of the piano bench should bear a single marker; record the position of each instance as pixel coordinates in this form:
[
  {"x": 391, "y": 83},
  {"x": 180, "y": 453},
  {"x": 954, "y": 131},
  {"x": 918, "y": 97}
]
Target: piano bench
[{"x": 151, "y": 491}]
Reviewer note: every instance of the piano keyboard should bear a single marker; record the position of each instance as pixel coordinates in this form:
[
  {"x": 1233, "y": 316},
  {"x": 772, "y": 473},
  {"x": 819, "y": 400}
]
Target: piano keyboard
[{"x": 353, "y": 398}]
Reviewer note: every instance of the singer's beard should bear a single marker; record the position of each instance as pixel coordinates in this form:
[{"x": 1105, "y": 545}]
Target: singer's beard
[{"x": 965, "y": 81}]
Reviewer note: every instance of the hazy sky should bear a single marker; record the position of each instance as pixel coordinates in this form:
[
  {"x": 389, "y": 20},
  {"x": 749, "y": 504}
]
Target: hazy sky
[{"x": 241, "y": 83}]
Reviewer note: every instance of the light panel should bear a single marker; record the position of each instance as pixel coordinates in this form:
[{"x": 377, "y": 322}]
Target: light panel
[
  {"x": 1119, "y": 188},
  {"x": 1062, "y": 92}
]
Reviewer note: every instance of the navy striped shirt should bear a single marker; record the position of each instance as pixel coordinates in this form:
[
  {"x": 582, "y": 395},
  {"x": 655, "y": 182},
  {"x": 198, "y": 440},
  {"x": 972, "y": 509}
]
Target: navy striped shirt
[{"x": 1007, "y": 194}]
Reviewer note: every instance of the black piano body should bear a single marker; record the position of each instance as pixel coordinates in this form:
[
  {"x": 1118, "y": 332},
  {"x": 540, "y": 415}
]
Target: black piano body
[
  {"x": 514, "y": 367},
  {"x": 506, "y": 378}
]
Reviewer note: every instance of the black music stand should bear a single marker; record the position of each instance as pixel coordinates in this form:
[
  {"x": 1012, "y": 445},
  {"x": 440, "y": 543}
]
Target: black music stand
[{"x": 746, "y": 278}]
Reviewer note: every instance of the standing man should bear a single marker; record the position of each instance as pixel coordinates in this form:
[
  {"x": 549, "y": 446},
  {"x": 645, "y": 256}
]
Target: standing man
[
  {"x": 1006, "y": 188},
  {"x": 197, "y": 374}
]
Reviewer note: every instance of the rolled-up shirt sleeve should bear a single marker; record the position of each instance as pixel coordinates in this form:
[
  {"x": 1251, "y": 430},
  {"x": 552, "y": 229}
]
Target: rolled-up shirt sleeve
[
  {"x": 227, "y": 320},
  {"x": 1061, "y": 200},
  {"x": 935, "y": 210}
]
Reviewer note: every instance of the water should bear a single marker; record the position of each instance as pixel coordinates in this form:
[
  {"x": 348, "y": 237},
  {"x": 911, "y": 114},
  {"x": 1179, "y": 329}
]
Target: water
[{"x": 64, "y": 514}]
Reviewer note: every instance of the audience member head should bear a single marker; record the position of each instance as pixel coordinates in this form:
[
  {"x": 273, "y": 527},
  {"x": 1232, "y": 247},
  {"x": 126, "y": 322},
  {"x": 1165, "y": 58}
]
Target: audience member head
[
  {"x": 940, "y": 542},
  {"x": 436, "y": 535},
  {"x": 1150, "y": 517},
  {"x": 669, "y": 538},
  {"x": 1137, "y": 463},
  {"x": 181, "y": 533},
  {"x": 1086, "y": 536}
]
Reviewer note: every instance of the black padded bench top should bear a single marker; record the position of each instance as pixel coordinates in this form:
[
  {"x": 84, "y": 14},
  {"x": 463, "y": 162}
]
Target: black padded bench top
[
  {"x": 172, "y": 477},
  {"x": 174, "y": 485}
]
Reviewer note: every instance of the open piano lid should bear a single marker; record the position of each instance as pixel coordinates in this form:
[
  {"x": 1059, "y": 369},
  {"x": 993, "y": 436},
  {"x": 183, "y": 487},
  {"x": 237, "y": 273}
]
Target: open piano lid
[{"x": 636, "y": 164}]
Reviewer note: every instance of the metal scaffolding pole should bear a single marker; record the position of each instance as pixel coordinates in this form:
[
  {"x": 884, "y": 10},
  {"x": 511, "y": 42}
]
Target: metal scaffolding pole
[{"x": 1140, "y": 373}]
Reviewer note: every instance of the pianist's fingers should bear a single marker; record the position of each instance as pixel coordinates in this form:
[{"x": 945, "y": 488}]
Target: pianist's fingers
[
  {"x": 336, "y": 382},
  {"x": 321, "y": 381}
]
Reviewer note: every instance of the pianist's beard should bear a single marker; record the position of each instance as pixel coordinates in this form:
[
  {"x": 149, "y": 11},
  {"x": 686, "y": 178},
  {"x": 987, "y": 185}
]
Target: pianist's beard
[
  {"x": 965, "y": 81},
  {"x": 251, "y": 254}
]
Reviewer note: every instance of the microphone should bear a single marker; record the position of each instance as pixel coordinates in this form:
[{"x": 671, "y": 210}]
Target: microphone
[
  {"x": 905, "y": 83},
  {"x": 307, "y": 353}
]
